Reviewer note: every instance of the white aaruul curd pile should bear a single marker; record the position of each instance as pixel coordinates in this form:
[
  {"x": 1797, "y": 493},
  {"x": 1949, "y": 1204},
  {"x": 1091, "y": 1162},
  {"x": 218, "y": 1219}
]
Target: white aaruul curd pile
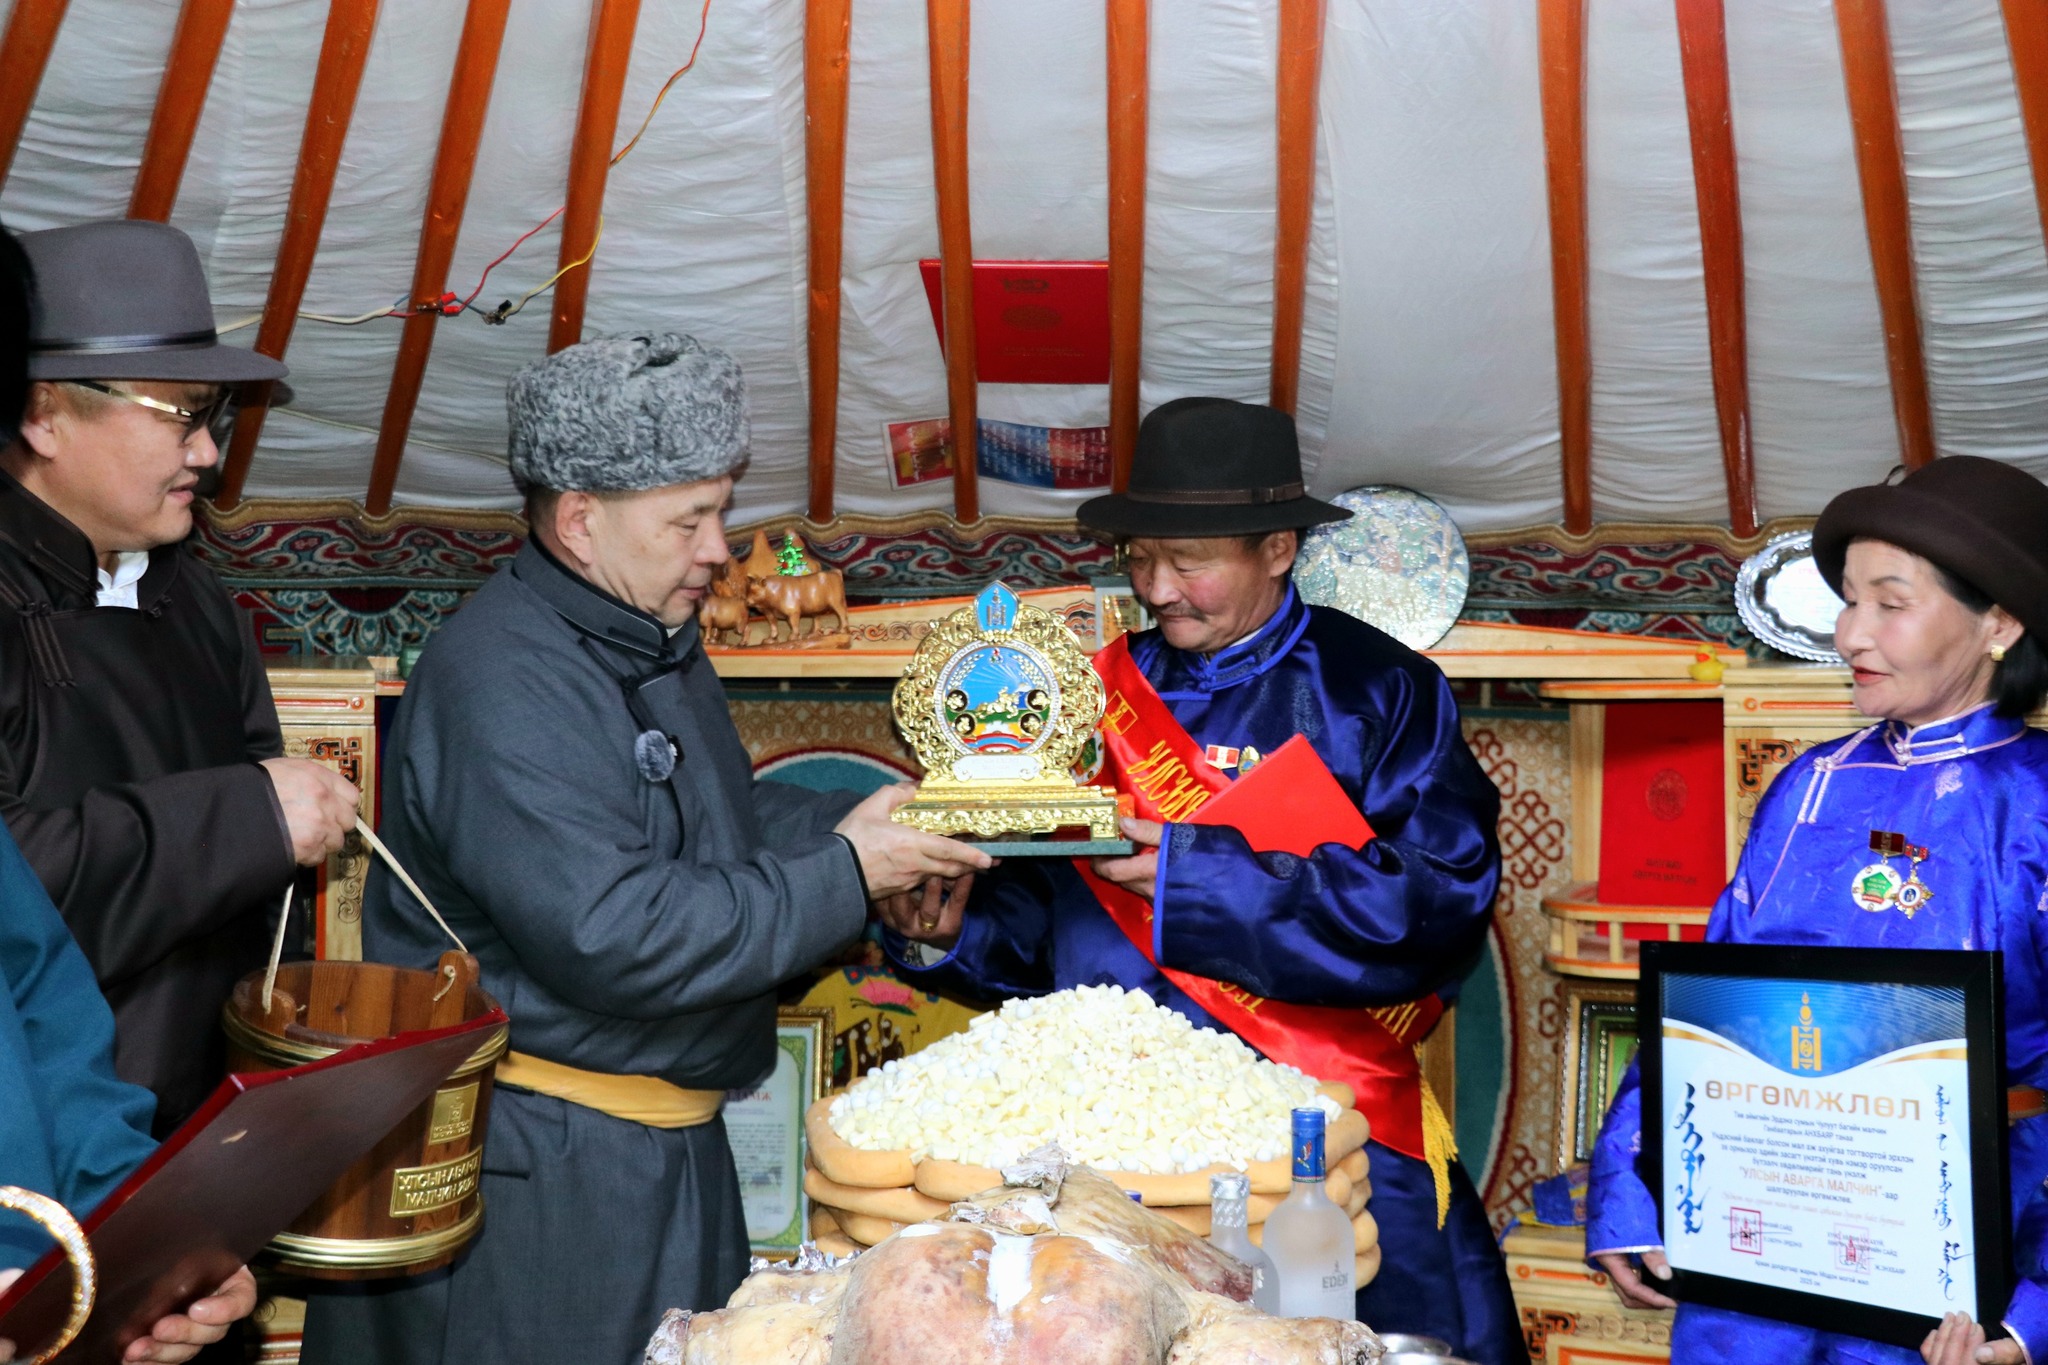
[{"x": 1117, "y": 1081}]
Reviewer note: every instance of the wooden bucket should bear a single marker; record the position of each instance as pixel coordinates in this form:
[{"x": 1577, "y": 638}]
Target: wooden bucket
[{"x": 416, "y": 1199}]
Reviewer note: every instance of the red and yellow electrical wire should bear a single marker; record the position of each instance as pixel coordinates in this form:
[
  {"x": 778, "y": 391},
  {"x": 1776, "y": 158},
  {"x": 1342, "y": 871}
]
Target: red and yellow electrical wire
[{"x": 450, "y": 304}]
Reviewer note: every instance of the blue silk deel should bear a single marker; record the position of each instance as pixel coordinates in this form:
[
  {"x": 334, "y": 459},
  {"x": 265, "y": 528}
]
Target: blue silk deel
[
  {"x": 1341, "y": 927},
  {"x": 1973, "y": 792}
]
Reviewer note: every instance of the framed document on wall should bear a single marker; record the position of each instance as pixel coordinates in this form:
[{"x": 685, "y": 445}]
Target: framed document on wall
[
  {"x": 765, "y": 1124},
  {"x": 1824, "y": 1132},
  {"x": 1599, "y": 1043}
]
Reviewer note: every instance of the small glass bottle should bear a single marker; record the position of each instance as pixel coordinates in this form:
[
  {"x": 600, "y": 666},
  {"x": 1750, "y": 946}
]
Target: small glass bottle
[
  {"x": 1309, "y": 1238},
  {"x": 1229, "y": 1231}
]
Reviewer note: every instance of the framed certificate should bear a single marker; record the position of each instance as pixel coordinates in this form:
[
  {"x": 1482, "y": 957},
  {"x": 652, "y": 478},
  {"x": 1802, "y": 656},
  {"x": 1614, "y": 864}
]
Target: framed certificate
[
  {"x": 1824, "y": 1132},
  {"x": 765, "y": 1125}
]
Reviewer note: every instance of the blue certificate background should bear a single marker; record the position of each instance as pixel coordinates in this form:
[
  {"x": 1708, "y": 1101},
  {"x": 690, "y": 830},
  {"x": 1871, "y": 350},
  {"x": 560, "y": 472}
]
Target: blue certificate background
[{"x": 1860, "y": 1020}]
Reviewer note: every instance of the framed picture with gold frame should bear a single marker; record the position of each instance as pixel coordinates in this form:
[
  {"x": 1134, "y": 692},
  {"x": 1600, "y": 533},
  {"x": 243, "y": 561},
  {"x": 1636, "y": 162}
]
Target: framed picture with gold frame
[
  {"x": 1599, "y": 1042},
  {"x": 765, "y": 1124}
]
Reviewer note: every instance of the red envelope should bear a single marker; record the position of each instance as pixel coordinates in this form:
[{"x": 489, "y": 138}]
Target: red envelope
[{"x": 1289, "y": 803}]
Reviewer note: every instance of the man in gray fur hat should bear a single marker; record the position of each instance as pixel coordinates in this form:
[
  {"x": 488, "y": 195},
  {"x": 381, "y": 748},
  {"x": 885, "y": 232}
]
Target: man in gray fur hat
[{"x": 566, "y": 783}]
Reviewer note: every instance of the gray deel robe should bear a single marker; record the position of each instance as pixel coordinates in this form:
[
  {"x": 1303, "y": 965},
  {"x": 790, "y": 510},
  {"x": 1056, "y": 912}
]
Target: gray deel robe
[{"x": 628, "y": 923}]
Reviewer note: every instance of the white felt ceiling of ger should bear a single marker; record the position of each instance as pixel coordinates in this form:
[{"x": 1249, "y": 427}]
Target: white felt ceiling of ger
[{"x": 1428, "y": 358}]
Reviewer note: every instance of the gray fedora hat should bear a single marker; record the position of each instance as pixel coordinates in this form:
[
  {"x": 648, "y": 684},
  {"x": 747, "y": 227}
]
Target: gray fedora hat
[{"x": 126, "y": 299}]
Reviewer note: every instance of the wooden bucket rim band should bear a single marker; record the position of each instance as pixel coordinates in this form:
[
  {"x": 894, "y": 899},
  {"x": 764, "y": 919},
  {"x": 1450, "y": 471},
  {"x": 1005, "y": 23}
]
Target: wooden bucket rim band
[
  {"x": 374, "y": 1253},
  {"x": 275, "y": 1047}
]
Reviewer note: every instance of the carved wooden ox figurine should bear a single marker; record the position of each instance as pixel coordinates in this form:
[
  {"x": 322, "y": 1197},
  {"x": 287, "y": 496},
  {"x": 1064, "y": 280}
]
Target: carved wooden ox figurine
[
  {"x": 798, "y": 597},
  {"x": 719, "y": 614}
]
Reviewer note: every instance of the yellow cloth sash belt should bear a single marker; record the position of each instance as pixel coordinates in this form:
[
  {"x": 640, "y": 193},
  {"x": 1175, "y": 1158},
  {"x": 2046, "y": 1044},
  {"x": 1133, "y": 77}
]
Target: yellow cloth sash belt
[{"x": 636, "y": 1099}]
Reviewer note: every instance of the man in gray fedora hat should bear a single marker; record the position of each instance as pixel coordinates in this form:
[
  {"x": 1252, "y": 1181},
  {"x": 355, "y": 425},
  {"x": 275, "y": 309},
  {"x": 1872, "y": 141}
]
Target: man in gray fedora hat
[
  {"x": 565, "y": 782},
  {"x": 1338, "y": 960},
  {"x": 141, "y": 766}
]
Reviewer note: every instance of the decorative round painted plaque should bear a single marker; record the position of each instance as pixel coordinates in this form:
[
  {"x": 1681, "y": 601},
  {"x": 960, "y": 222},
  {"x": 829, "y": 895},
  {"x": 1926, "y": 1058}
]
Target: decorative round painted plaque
[{"x": 1399, "y": 563}]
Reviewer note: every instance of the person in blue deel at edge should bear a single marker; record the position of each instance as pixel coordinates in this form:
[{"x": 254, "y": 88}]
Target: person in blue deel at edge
[
  {"x": 1926, "y": 830},
  {"x": 1336, "y": 962}
]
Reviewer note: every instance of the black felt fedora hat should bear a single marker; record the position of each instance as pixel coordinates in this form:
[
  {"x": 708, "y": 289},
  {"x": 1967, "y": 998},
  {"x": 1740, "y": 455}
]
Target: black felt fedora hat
[
  {"x": 1211, "y": 467},
  {"x": 1984, "y": 521},
  {"x": 126, "y": 299}
]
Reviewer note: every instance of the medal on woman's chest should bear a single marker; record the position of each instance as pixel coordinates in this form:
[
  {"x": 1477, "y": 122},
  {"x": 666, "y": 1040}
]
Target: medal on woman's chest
[{"x": 1880, "y": 886}]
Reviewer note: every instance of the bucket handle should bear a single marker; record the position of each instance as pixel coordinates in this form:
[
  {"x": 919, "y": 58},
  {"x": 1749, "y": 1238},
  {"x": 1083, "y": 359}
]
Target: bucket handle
[
  {"x": 370, "y": 837},
  {"x": 277, "y": 944},
  {"x": 84, "y": 1274}
]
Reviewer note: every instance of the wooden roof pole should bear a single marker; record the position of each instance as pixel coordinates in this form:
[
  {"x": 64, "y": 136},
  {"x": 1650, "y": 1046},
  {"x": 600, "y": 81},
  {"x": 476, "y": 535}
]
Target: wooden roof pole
[
  {"x": 612, "y": 23},
  {"x": 462, "y": 127},
  {"x": 1703, "y": 54},
  {"x": 2026, "y": 36},
  {"x": 1129, "y": 105},
  {"x": 344, "y": 49},
  {"x": 1301, "y": 64},
  {"x": 188, "y": 71},
  {"x": 24, "y": 52},
  {"x": 1881, "y": 166},
  {"x": 828, "y": 26},
  {"x": 1561, "y": 42},
  {"x": 947, "y": 22}
]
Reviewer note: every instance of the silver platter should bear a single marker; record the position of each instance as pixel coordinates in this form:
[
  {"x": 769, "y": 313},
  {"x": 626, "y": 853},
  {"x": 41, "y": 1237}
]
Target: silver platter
[
  {"x": 1784, "y": 601},
  {"x": 1399, "y": 563}
]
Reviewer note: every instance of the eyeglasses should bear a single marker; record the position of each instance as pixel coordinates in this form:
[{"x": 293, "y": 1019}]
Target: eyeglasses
[{"x": 217, "y": 417}]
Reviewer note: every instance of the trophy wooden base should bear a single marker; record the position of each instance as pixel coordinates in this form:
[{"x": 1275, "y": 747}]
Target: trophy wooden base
[
  {"x": 1007, "y": 811},
  {"x": 1055, "y": 848}
]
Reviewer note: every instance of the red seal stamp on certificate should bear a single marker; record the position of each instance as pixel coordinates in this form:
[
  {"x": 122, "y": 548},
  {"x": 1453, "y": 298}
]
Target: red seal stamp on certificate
[{"x": 1746, "y": 1231}]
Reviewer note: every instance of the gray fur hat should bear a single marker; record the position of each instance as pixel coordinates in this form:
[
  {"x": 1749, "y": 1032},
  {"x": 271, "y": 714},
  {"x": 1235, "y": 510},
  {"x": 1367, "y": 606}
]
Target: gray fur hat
[{"x": 618, "y": 414}]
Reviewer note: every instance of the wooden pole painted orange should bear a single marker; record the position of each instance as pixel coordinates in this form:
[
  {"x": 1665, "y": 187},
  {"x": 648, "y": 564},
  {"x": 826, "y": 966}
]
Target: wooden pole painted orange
[
  {"x": 1703, "y": 55},
  {"x": 1881, "y": 166},
  {"x": 2026, "y": 37},
  {"x": 828, "y": 26},
  {"x": 195, "y": 48},
  {"x": 1301, "y": 64},
  {"x": 947, "y": 22},
  {"x": 462, "y": 127},
  {"x": 1129, "y": 105},
  {"x": 344, "y": 49},
  {"x": 612, "y": 23},
  {"x": 24, "y": 52},
  {"x": 1561, "y": 40}
]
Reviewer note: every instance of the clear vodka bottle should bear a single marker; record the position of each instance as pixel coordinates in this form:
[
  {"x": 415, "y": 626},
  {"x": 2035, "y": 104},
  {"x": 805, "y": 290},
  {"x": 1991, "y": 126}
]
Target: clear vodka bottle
[
  {"x": 1228, "y": 1231},
  {"x": 1308, "y": 1237}
]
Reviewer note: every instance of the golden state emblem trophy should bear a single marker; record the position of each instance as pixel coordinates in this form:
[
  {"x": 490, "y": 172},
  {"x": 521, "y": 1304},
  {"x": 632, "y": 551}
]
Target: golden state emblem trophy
[{"x": 998, "y": 703}]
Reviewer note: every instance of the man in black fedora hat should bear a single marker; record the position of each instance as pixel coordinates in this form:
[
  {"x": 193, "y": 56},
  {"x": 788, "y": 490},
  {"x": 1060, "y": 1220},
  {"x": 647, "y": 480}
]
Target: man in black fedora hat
[
  {"x": 1337, "y": 959},
  {"x": 141, "y": 766}
]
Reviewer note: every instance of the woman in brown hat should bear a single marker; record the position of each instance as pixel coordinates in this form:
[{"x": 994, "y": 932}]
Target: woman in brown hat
[{"x": 1928, "y": 829}]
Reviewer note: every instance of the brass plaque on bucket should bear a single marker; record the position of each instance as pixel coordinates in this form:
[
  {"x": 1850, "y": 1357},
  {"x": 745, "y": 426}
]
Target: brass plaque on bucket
[
  {"x": 998, "y": 703},
  {"x": 454, "y": 1114},
  {"x": 422, "y": 1189}
]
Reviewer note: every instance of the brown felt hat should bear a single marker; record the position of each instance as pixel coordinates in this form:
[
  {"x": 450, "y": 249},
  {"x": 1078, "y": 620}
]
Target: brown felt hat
[
  {"x": 1211, "y": 467},
  {"x": 1984, "y": 521},
  {"x": 126, "y": 299}
]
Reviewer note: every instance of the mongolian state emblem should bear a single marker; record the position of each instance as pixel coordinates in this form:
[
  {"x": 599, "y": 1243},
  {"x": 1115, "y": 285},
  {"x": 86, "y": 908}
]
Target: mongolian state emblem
[
  {"x": 999, "y": 703},
  {"x": 1806, "y": 1038}
]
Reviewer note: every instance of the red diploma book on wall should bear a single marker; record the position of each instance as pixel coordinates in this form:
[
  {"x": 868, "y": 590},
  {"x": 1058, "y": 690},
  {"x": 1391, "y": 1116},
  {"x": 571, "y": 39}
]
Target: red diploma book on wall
[
  {"x": 233, "y": 1176},
  {"x": 1035, "y": 322},
  {"x": 1289, "y": 803},
  {"x": 1661, "y": 840}
]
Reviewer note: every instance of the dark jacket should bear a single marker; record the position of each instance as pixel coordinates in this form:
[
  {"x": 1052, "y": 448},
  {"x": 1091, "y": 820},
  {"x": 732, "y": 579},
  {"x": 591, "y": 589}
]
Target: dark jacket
[
  {"x": 129, "y": 742},
  {"x": 632, "y": 917}
]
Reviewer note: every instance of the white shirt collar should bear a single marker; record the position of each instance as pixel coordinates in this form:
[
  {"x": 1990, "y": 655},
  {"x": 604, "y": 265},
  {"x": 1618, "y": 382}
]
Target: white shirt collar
[{"x": 118, "y": 589}]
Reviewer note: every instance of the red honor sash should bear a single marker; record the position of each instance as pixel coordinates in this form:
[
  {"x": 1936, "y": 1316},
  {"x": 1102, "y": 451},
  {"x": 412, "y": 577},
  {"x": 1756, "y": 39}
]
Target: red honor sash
[{"x": 1149, "y": 757}]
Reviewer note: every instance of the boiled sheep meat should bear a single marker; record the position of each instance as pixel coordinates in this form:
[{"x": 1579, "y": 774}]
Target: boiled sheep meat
[{"x": 1055, "y": 1267}]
